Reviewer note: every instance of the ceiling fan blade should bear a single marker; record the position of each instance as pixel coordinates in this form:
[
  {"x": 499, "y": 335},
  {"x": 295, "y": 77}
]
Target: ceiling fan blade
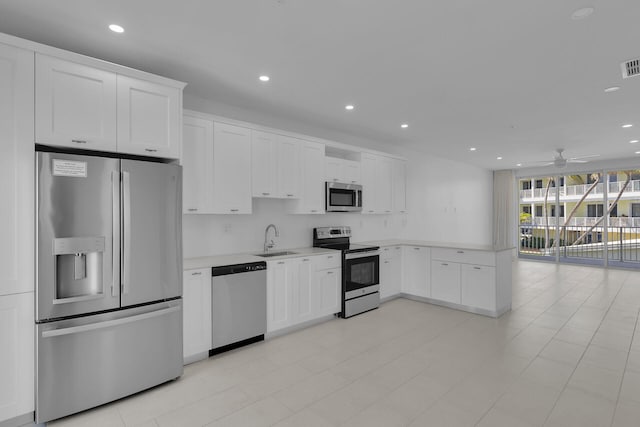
[{"x": 585, "y": 157}]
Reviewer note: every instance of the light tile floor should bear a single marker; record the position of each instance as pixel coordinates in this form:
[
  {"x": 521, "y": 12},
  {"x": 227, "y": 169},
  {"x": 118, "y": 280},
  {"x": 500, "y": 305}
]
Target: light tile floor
[{"x": 568, "y": 354}]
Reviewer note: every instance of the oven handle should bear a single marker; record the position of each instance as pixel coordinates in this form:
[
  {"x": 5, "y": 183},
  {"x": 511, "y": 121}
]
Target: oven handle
[{"x": 355, "y": 255}]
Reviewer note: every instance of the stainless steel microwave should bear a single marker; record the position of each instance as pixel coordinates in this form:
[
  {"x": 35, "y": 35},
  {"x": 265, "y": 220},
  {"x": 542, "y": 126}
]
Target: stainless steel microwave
[{"x": 343, "y": 197}]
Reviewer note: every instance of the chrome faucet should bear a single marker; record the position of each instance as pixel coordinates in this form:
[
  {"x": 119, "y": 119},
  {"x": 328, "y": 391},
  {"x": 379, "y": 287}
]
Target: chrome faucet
[{"x": 271, "y": 243}]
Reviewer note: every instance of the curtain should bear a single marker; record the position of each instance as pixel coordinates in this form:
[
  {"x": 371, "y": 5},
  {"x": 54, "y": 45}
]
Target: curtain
[{"x": 504, "y": 225}]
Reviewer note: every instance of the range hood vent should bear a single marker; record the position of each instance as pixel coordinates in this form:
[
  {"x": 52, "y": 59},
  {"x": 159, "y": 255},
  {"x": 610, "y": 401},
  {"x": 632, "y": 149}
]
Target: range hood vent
[{"x": 630, "y": 68}]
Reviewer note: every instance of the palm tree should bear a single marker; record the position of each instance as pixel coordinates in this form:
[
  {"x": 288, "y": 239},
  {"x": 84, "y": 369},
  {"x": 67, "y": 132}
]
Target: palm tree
[{"x": 609, "y": 210}]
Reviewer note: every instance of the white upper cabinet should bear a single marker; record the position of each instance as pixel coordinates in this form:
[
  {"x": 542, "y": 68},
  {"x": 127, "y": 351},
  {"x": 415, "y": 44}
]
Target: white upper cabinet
[
  {"x": 369, "y": 164},
  {"x": 383, "y": 188},
  {"x": 264, "y": 165},
  {"x": 17, "y": 231},
  {"x": 148, "y": 118},
  {"x": 377, "y": 175},
  {"x": 197, "y": 165},
  {"x": 275, "y": 165},
  {"x": 231, "y": 169},
  {"x": 289, "y": 166},
  {"x": 75, "y": 105},
  {"x": 311, "y": 200},
  {"x": 86, "y": 107},
  {"x": 400, "y": 186},
  {"x": 342, "y": 170}
]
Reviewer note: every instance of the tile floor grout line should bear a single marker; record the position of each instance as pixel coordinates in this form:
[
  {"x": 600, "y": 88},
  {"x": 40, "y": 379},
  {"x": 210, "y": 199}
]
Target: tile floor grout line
[
  {"x": 626, "y": 363},
  {"x": 585, "y": 350}
]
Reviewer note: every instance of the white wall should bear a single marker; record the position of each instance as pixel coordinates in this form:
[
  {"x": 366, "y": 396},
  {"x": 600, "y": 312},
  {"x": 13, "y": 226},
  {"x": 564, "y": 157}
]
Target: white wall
[{"x": 447, "y": 201}]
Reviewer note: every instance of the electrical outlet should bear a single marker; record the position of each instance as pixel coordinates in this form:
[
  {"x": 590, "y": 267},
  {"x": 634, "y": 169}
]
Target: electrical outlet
[{"x": 227, "y": 228}]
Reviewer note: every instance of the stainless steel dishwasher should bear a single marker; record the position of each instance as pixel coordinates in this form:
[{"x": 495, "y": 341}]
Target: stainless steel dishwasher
[{"x": 238, "y": 305}]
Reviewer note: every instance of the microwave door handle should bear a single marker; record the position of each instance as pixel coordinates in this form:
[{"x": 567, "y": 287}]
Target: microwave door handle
[
  {"x": 126, "y": 232},
  {"x": 115, "y": 232}
]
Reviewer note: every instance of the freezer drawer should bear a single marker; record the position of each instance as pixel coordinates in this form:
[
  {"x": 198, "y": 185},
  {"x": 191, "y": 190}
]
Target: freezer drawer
[{"x": 85, "y": 362}]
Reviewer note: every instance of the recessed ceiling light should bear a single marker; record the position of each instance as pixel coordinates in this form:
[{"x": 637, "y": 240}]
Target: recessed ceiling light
[
  {"x": 637, "y": 152},
  {"x": 582, "y": 13},
  {"x": 116, "y": 28},
  {"x": 519, "y": 164},
  {"x": 498, "y": 158},
  {"x": 349, "y": 107},
  {"x": 612, "y": 89},
  {"x": 633, "y": 141},
  {"x": 472, "y": 149},
  {"x": 264, "y": 78},
  {"x": 404, "y": 126},
  {"x": 628, "y": 125}
]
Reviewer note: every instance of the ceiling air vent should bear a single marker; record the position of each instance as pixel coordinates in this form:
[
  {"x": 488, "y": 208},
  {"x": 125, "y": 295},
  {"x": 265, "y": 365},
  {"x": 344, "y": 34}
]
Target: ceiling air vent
[{"x": 630, "y": 68}]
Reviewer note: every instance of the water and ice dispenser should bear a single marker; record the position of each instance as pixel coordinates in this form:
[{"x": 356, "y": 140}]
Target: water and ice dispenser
[{"x": 78, "y": 264}]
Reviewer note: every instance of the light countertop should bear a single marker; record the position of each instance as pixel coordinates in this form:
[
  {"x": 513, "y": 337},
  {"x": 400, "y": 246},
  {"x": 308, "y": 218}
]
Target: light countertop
[
  {"x": 243, "y": 258},
  {"x": 447, "y": 245}
]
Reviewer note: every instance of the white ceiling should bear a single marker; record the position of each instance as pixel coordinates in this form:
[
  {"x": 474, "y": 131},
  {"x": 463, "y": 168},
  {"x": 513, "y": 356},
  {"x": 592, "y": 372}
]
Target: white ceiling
[{"x": 513, "y": 78}]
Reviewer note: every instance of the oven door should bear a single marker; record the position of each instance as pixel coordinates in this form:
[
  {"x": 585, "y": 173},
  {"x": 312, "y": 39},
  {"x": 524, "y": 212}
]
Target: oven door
[
  {"x": 361, "y": 273},
  {"x": 343, "y": 197}
]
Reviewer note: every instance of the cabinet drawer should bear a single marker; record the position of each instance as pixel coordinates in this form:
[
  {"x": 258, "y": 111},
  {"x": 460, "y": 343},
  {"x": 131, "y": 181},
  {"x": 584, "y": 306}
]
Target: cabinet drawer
[
  {"x": 328, "y": 261},
  {"x": 464, "y": 256}
]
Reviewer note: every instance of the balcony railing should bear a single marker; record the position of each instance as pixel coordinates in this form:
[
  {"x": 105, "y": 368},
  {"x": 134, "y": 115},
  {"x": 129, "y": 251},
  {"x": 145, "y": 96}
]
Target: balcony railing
[
  {"x": 579, "y": 190},
  {"x": 623, "y": 243},
  {"x": 581, "y": 221}
]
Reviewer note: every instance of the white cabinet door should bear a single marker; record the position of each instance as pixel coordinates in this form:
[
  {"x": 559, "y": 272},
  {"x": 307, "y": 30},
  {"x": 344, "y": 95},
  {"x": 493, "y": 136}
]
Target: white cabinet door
[
  {"x": 445, "y": 281},
  {"x": 16, "y": 172},
  {"x": 478, "y": 284},
  {"x": 333, "y": 169},
  {"x": 17, "y": 230},
  {"x": 16, "y": 353},
  {"x": 264, "y": 167},
  {"x": 416, "y": 261},
  {"x": 369, "y": 164},
  {"x": 149, "y": 118},
  {"x": 328, "y": 287},
  {"x": 390, "y": 271},
  {"x": 303, "y": 305},
  {"x": 196, "y": 311},
  {"x": 351, "y": 172},
  {"x": 384, "y": 177},
  {"x": 197, "y": 165},
  {"x": 280, "y": 278},
  {"x": 75, "y": 105},
  {"x": 400, "y": 186},
  {"x": 231, "y": 169},
  {"x": 289, "y": 150},
  {"x": 312, "y": 178}
]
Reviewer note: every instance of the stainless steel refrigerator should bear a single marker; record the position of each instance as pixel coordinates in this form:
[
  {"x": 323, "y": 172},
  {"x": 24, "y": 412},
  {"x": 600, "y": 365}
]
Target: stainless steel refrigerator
[{"x": 109, "y": 279}]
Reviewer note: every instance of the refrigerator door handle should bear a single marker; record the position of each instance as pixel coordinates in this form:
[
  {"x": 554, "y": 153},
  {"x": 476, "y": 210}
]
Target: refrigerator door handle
[
  {"x": 126, "y": 232},
  {"x": 115, "y": 232},
  {"x": 108, "y": 324}
]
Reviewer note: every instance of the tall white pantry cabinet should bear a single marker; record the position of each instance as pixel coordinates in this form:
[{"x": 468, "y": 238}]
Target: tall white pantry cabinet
[{"x": 16, "y": 234}]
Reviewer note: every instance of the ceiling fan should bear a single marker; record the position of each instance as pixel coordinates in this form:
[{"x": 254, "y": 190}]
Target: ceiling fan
[{"x": 560, "y": 161}]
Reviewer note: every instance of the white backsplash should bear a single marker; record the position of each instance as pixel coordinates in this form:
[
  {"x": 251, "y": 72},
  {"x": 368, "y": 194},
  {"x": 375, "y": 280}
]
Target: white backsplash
[{"x": 220, "y": 234}]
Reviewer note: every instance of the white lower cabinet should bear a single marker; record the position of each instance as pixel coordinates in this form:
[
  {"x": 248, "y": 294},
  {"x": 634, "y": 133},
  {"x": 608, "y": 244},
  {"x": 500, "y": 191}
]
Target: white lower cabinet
[
  {"x": 416, "y": 263},
  {"x": 302, "y": 289},
  {"x": 478, "y": 284},
  {"x": 17, "y": 355},
  {"x": 390, "y": 271},
  {"x": 328, "y": 285},
  {"x": 196, "y": 309},
  {"x": 445, "y": 281},
  {"x": 303, "y": 292}
]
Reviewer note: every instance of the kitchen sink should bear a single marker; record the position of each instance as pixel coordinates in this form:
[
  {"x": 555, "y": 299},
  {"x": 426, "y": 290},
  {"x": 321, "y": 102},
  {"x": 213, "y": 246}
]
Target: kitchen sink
[{"x": 270, "y": 254}]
